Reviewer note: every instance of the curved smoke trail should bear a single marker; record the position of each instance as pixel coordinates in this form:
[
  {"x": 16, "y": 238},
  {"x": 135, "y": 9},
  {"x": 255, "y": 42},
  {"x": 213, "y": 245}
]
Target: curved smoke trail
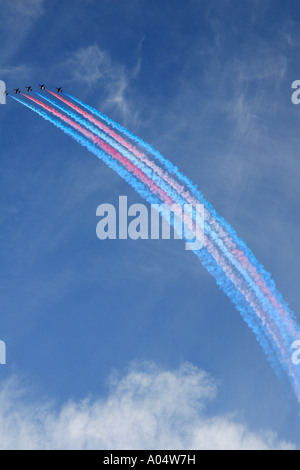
[
  {"x": 234, "y": 244},
  {"x": 167, "y": 189},
  {"x": 241, "y": 250},
  {"x": 225, "y": 256}
]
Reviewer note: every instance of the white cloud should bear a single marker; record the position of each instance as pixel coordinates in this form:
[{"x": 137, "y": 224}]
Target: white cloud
[
  {"x": 20, "y": 15},
  {"x": 146, "y": 409},
  {"x": 91, "y": 67},
  {"x": 15, "y": 72},
  {"x": 19, "y": 18}
]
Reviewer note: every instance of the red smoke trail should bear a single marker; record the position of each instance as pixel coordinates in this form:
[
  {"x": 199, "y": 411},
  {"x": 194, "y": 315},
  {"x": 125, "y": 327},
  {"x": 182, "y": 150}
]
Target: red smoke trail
[
  {"x": 222, "y": 234},
  {"x": 109, "y": 150},
  {"x": 106, "y": 146},
  {"x": 101, "y": 126},
  {"x": 249, "y": 296}
]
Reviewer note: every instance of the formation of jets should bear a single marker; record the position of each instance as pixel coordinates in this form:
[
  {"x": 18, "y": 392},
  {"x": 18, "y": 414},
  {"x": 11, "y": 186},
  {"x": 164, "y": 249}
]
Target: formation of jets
[{"x": 29, "y": 88}]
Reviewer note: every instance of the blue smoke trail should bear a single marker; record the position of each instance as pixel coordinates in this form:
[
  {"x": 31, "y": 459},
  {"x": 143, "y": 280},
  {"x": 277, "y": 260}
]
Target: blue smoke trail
[
  {"x": 193, "y": 188},
  {"x": 174, "y": 195},
  {"x": 223, "y": 282}
]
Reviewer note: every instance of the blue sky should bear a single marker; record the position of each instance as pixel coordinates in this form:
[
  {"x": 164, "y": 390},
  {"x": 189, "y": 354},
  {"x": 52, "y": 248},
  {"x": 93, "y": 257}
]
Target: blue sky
[{"x": 130, "y": 343}]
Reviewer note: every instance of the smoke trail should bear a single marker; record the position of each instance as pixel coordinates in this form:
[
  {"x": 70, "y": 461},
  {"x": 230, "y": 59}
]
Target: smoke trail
[
  {"x": 207, "y": 260},
  {"x": 225, "y": 283},
  {"x": 244, "y": 254},
  {"x": 254, "y": 324},
  {"x": 107, "y": 149},
  {"x": 110, "y": 162},
  {"x": 230, "y": 274},
  {"x": 239, "y": 255},
  {"x": 171, "y": 193},
  {"x": 236, "y": 246},
  {"x": 143, "y": 164},
  {"x": 242, "y": 259}
]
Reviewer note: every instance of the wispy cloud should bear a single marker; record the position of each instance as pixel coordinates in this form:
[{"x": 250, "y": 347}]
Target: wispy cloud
[
  {"x": 14, "y": 72},
  {"x": 91, "y": 67},
  {"x": 18, "y": 18},
  {"x": 148, "y": 408}
]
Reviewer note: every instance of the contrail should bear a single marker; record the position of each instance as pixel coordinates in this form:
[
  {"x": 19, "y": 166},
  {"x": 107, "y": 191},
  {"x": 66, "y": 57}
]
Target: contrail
[
  {"x": 224, "y": 255},
  {"x": 241, "y": 248},
  {"x": 235, "y": 245},
  {"x": 141, "y": 166},
  {"x": 250, "y": 302},
  {"x": 221, "y": 233},
  {"x": 253, "y": 271}
]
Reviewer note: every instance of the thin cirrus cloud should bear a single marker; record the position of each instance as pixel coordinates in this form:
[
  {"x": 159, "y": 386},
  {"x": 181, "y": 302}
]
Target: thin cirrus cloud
[
  {"x": 91, "y": 66},
  {"x": 148, "y": 408},
  {"x": 18, "y": 19}
]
